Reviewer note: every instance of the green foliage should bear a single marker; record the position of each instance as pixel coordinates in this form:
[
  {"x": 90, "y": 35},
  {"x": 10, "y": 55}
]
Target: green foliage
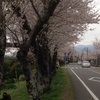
[
  {"x": 10, "y": 86},
  {"x": 8, "y": 81},
  {"x": 12, "y": 68},
  {"x": 22, "y": 78}
]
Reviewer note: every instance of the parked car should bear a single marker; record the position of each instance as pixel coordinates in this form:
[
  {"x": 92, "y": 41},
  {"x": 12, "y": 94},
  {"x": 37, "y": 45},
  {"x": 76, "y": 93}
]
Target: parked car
[
  {"x": 85, "y": 64},
  {"x": 79, "y": 62}
]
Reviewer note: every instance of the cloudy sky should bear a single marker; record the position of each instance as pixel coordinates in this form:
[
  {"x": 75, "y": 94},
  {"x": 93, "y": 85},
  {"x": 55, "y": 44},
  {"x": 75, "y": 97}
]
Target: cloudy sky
[{"x": 90, "y": 36}]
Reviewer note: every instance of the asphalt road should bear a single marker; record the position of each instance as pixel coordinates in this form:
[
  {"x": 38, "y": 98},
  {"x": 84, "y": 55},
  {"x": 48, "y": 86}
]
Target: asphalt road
[{"x": 85, "y": 82}]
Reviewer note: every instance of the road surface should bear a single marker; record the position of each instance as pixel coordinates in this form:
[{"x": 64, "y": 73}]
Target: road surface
[{"x": 85, "y": 82}]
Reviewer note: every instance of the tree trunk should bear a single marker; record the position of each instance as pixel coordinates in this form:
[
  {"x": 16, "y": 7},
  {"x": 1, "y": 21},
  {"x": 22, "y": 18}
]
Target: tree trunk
[
  {"x": 31, "y": 81},
  {"x": 42, "y": 54},
  {"x": 54, "y": 60},
  {"x": 2, "y": 41},
  {"x": 43, "y": 83}
]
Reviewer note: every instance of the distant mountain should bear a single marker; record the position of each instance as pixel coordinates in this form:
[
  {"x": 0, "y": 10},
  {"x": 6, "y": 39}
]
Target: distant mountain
[{"x": 80, "y": 48}]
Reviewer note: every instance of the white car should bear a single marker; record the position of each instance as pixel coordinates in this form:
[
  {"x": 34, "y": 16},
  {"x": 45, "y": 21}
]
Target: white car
[{"x": 85, "y": 64}]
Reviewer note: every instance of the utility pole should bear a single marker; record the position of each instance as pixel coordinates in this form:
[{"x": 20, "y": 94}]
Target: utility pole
[{"x": 87, "y": 53}]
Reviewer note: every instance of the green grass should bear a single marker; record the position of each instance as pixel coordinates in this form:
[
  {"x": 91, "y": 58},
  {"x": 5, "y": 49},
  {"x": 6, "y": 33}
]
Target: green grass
[
  {"x": 60, "y": 88},
  {"x": 18, "y": 93}
]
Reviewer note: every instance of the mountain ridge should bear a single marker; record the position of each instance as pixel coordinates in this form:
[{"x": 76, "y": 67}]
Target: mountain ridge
[{"x": 82, "y": 47}]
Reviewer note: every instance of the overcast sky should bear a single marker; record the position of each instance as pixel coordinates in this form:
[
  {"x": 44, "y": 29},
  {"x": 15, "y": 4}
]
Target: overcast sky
[{"x": 90, "y": 36}]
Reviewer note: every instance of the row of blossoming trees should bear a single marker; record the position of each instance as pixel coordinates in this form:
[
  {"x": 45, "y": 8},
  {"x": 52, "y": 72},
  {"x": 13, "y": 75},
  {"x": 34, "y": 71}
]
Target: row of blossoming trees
[{"x": 41, "y": 28}]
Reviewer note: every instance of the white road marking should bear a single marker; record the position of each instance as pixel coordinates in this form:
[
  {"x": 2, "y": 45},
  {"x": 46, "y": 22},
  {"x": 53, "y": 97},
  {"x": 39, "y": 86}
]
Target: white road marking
[
  {"x": 96, "y": 79},
  {"x": 87, "y": 88}
]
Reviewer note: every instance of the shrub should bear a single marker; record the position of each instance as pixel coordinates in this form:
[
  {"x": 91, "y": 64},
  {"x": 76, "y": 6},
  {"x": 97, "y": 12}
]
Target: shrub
[
  {"x": 8, "y": 81},
  {"x": 8, "y": 86},
  {"x": 21, "y": 78}
]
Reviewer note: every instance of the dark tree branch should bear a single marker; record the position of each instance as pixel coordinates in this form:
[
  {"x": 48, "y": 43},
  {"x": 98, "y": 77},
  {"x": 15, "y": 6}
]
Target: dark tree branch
[
  {"x": 35, "y": 9},
  {"x": 44, "y": 19},
  {"x": 14, "y": 35}
]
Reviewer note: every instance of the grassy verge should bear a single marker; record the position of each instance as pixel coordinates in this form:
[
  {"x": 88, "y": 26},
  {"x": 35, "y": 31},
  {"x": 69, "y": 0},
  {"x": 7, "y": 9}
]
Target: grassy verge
[
  {"x": 60, "y": 88},
  {"x": 17, "y": 93}
]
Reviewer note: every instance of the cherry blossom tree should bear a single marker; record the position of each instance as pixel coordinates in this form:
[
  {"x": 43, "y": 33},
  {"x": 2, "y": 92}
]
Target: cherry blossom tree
[
  {"x": 96, "y": 45},
  {"x": 42, "y": 27}
]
